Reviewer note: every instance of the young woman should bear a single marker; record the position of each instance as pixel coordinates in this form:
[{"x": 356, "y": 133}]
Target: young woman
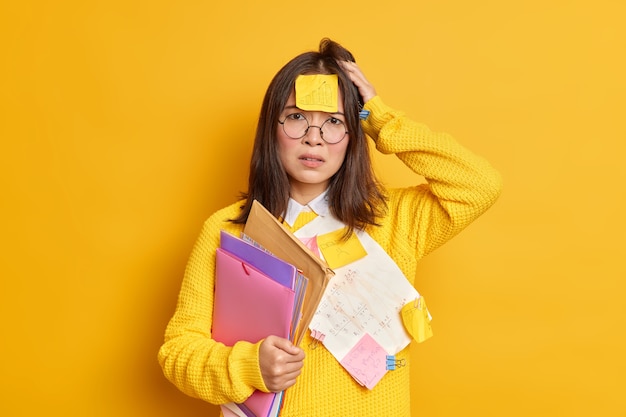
[{"x": 312, "y": 167}]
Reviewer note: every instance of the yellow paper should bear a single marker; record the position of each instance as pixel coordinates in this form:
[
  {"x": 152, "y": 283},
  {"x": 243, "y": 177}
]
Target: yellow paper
[
  {"x": 317, "y": 92},
  {"x": 338, "y": 252},
  {"x": 416, "y": 320}
]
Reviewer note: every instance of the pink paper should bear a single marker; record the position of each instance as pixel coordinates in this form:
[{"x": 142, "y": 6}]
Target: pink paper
[
  {"x": 311, "y": 243},
  {"x": 227, "y": 413},
  {"x": 366, "y": 361}
]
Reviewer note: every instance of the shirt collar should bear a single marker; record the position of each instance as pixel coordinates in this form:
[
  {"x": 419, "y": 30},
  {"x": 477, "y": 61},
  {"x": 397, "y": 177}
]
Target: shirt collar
[{"x": 319, "y": 205}]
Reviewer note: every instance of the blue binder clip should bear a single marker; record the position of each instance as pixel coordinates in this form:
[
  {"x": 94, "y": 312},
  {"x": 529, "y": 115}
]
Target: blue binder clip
[
  {"x": 363, "y": 114},
  {"x": 392, "y": 363}
]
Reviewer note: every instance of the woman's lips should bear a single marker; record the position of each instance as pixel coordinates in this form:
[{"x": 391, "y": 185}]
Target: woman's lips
[{"x": 311, "y": 161}]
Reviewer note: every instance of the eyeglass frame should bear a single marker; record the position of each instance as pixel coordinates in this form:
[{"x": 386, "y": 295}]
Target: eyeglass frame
[{"x": 306, "y": 131}]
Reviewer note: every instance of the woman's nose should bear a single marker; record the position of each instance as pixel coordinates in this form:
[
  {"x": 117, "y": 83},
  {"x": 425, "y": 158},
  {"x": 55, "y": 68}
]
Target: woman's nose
[{"x": 313, "y": 135}]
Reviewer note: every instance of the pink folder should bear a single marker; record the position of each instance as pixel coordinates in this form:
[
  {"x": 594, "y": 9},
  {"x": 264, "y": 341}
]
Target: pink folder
[
  {"x": 273, "y": 267},
  {"x": 249, "y": 306},
  {"x": 268, "y": 264}
]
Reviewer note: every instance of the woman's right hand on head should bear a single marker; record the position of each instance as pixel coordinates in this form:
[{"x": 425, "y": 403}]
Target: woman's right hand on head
[
  {"x": 280, "y": 362},
  {"x": 366, "y": 89}
]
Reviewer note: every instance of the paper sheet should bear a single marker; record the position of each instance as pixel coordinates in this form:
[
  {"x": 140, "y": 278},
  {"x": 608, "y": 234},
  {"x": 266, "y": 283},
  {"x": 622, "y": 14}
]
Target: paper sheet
[{"x": 356, "y": 303}]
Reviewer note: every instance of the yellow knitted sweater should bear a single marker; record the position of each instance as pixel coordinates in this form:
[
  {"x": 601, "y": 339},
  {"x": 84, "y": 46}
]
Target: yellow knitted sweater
[{"x": 460, "y": 187}]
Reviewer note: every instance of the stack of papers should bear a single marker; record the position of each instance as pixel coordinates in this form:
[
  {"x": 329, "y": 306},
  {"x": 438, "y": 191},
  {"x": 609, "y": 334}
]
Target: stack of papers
[{"x": 259, "y": 293}]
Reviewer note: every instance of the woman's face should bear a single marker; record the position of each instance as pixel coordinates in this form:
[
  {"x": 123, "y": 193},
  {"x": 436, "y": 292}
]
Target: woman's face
[{"x": 309, "y": 161}]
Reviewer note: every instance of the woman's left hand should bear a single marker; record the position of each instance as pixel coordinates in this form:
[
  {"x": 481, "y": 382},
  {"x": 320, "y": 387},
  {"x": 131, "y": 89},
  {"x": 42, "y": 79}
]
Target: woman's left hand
[{"x": 366, "y": 89}]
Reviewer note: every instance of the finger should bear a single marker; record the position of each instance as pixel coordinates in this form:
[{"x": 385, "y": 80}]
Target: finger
[
  {"x": 282, "y": 382},
  {"x": 353, "y": 69},
  {"x": 290, "y": 379},
  {"x": 280, "y": 372},
  {"x": 286, "y": 358},
  {"x": 366, "y": 89},
  {"x": 348, "y": 65},
  {"x": 291, "y": 367},
  {"x": 286, "y": 346}
]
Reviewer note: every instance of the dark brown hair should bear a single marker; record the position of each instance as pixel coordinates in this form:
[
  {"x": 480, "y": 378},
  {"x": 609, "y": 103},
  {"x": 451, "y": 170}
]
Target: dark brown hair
[{"x": 355, "y": 197}]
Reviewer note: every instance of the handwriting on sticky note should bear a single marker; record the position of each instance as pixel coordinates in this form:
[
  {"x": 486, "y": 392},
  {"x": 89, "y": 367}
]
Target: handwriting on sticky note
[
  {"x": 317, "y": 92},
  {"x": 366, "y": 361},
  {"x": 339, "y": 252}
]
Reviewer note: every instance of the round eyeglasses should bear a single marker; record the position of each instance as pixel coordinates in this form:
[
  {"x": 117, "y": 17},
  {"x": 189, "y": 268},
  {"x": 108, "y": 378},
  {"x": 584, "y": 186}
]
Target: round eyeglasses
[{"x": 296, "y": 126}]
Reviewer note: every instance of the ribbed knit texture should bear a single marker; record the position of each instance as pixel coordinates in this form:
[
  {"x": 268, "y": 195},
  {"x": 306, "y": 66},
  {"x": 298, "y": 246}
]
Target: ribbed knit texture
[{"x": 461, "y": 186}]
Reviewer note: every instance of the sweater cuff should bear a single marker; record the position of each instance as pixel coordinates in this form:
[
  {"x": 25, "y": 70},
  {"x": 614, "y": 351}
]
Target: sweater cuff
[
  {"x": 244, "y": 362},
  {"x": 380, "y": 115}
]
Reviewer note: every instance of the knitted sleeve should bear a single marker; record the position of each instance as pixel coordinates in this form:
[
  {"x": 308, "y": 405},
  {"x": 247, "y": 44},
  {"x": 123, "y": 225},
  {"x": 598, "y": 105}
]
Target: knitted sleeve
[
  {"x": 460, "y": 185},
  {"x": 194, "y": 362}
]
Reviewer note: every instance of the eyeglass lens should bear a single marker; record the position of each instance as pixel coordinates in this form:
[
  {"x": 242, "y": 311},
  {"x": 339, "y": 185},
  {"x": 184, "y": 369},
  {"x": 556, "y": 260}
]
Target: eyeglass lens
[{"x": 296, "y": 126}]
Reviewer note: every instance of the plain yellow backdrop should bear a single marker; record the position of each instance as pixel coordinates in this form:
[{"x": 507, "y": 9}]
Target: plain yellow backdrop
[{"x": 124, "y": 124}]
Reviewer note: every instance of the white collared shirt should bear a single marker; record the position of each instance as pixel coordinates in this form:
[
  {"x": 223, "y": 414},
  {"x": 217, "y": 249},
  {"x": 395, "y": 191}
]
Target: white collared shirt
[{"x": 319, "y": 205}]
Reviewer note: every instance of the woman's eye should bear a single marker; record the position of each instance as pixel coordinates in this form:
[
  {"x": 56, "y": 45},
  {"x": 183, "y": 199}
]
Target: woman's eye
[
  {"x": 296, "y": 116},
  {"x": 335, "y": 121}
]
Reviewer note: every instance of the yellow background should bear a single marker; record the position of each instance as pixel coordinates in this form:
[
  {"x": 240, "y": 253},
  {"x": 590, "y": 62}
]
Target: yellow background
[{"x": 124, "y": 124}]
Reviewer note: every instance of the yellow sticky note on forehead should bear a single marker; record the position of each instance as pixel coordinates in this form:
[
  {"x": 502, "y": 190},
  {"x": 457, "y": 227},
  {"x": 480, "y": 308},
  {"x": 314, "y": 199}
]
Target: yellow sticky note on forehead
[{"x": 317, "y": 92}]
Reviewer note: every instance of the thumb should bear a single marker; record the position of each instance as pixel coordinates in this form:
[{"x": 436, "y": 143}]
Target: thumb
[{"x": 284, "y": 345}]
